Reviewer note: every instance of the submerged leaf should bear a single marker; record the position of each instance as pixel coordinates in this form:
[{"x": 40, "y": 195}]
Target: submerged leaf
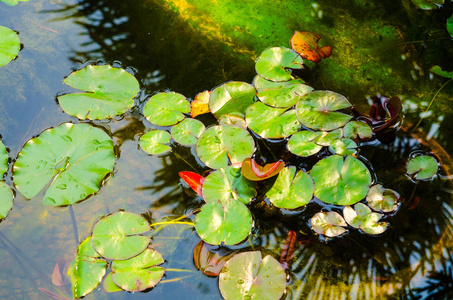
[
  {"x": 428, "y": 4},
  {"x": 9, "y": 45},
  {"x": 252, "y": 171},
  {"x": 438, "y": 70},
  {"x": 200, "y": 105},
  {"x": 231, "y": 98},
  {"x": 153, "y": 142},
  {"x": 194, "y": 180},
  {"x": 166, "y": 109},
  {"x": 274, "y": 63},
  {"x": 329, "y": 224},
  {"x": 210, "y": 262},
  {"x": 306, "y": 44},
  {"x": 422, "y": 167}
]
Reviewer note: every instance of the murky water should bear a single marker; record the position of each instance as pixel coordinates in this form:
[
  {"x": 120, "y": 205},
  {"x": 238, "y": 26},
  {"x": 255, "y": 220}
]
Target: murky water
[{"x": 170, "y": 50}]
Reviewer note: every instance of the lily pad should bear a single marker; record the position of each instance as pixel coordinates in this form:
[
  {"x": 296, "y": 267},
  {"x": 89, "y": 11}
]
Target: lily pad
[
  {"x": 428, "y": 4},
  {"x": 380, "y": 199},
  {"x": 438, "y": 71},
  {"x": 226, "y": 183},
  {"x": 6, "y": 194},
  {"x": 252, "y": 171},
  {"x": 219, "y": 145},
  {"x": 166, "y": 109},
  {"x": 362, "y": 217},
  {"x": 422, "y": 167},
  {"x": 270, "y": 122},
  {"x": 318, "y": 110},
  {"x": 343, "y": 147},
  {"x": 329, "y": 224},
  {"x": 75, "y": 158},
  {"x": 235, "y": 119},
  {"x": 187, "y": 132},
  {"x": 450, "y": 25},
  {"x": 306, "y": 44},
  {"x": 247, "y": 276},
  {"x": 280, "y": 94},
  {"x": 9, "y": 45},
  {"x": 153, "y": 142},
  {"x": 86, "y": 270},
  {"x": 117, "y": 236},
  {"x": 138, "y": 273},
  {"x": 231, "y": 97},
  {"x": 109, "y": 92},
  {"x": 200, "y": 104},
  {"x": 327, "y": 137},
  {"x": 228, "y": 222},
  {"x": 291, "y": 191},
  {"x": 357, "y": 129},
  {"x": 110, "y": 286},
  {"x": 340, "y": 181},
  {"x": 301, "y": 143},
  {"x": 274, "y": 63},
  {"x": 210, "y": 262},
  {"x": 194, "y": 180}
]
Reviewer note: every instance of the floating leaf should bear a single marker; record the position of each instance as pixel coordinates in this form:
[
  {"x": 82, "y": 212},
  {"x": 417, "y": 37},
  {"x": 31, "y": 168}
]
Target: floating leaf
[
  {"x": 6, "y": 195},
  {"x": 12, "y": 2},
  {"x": 343, "y": 147},
  {"x": 117, "y": 236},
  {"x": 328, "y": 223},
  {"x": 357, "y": 129},
  {"x": 228, "y": 222},
  {"x": 328, "y": 137},
  {"x": 270, "y": 122},
  {"x": 138, "y": 273},
  {"x": 86, "y": 270},
  {"x": 194, "y": 180},
  {"x": 380, "y": 199},
  {"x": 200, "y": 105},
  {"x": 187, "y": 132},
  {"x": 235, "y": 119},
  {"x": 291, "y": 191},
  {"x": 340, "y": 181},
  {"x": 219, "y": 145},
  {"x": 110, "y": 286},
  {"x": 247, "y": 276},
  {"x": 288, "y": 248},
  {"x": 450, "y": 25},
  {"x": 362, "y": 217},
  {"x": 318, "y": 110},
  {"x": 280, "y": 94},
  {"x": 422, "y": 167},
  {"x": 9, "y": 44},
  {"x": 438, "y": 71},
  {"x": 231, "y": 97},
  {"x": 209, "y": 262},
  {"x": 274, "y": 63},
  {"x": 153, "y": 142},
  {"x": 75, "y": 158},
  {"x": 302, "y": 143},
  {"x": 252, "y": 171},
  {"x": 226, "y": 183},
  {"x": 306, "y": 44},
  {"x": 428, "y": 4},
  {"x": 166, "y": 109},
  {"x": 109, "y": 92}
]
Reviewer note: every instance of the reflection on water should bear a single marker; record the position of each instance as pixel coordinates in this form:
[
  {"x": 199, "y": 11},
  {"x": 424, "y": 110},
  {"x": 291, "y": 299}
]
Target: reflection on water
[{"x": 411, "y": 260}]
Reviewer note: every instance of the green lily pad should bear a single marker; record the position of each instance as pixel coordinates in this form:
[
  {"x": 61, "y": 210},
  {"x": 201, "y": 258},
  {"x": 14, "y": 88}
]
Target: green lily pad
[
  {"x": 86, "y": 270},
  {"x": 226, "y": 183},
  {"x": 219, "y": 145},
  {"x": 327, "y": 137},
  {"x": 329, "y": 224},
  {"x": 428, "y": 4},
  {"x": 75, "y": 158},
  {"x": 362, "y": 217},
  {"x": 231, "y": 97},
  {"x": 270, "y": 122},
  {"x": 235, "y": 119},
  {"x": 117, "y": 236},
  {"x": 110, "y": 286},
  {"x": 280, "y": 94},
  {"x": 3, "y": 159},
  {"x": 247, "y": 276},
  {"x": 187, "y": 132},
  {"x": 6, "y": 194},
  {"x": 109, "y": 92},
  {"x": 357, "y": 129},
  {"x": 438, "y": 71},
  {"x": 380, "y": 199},
  {"x": 274, "y": 63},
  {"x": 343, "y": 147},
  {"x": 301, "y": 143},
  {"x": 153, "y": 142},
  {"x": 422, "y": 167},
  {"x": 9, "y": 45},
  {"x": 12, "y": 2},
  {"x": 138, "y": 273},
  {"x": 318, "y": 110},
  {"x": 450, "y": 25},
  {"x": 291, "y": 191},
  {"x": 228, "y": 222},
  {"x": 166, "y": 109},
  {"x": 340, "y": 181}
]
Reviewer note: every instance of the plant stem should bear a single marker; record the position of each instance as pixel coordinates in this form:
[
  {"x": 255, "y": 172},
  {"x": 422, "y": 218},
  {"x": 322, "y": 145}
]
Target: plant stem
[
  {"x": 74, "y": 225},
  {"x": 180, "y": 270},
  {"x": 416, "y": 42},
  {"x": 181, "y": 158},
  {"x": 172, "y": 222}
]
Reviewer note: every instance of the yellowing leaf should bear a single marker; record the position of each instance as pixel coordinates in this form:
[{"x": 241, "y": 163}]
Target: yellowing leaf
[{"x": 200, "y": 105}]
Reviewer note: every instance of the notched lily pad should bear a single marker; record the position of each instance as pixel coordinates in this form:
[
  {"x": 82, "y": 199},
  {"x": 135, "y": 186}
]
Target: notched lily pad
[
  {"x": 235, "y": 119},
  {"x": 117, "y": 236},
  {"x": 318, "y": 110},
  {"x": 329, "y": 224},
  {"x": 247, "y": 276},
  {"x": 12, "y": 2},
  {"x": 254, "y": 172},
  {"x": 75, "y": 158},
  {"x": 306, "y": 44},
  {"x": 231, "y": 97},
  {"x": 327, "y": 137},
  {"x": 274, "y": 63},
  {"x": 6, "y": 194},
  {"x": 210, "y": 262},
  {"x": 154, "y": 142},
  {"x": 422, "y": 167},
  {"x": 302, "y": 143},
  {"x": 9, "y": 44},
  {"x": 200, "y": 104},
  {"x": 108, "y": 92},
  {"x": 166, "y": 109},
  {"x": 381, "y": 199},
  {"x": 362, "y": 217},
  {"x": 343, "y": 147},
  {"x": 357, "y": 129},
  {"x": 187, "y": 132}
]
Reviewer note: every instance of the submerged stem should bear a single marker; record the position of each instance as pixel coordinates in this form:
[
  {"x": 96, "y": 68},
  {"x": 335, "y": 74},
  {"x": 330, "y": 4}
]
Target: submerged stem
[{"x": 74, "y": 225}]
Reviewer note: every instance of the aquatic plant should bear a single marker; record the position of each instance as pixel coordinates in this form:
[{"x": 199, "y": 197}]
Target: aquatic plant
[{"x": 9, "y": 45}]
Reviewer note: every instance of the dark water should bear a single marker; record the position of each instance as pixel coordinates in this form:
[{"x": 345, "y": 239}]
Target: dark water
[{"x": 164, "y": 52}]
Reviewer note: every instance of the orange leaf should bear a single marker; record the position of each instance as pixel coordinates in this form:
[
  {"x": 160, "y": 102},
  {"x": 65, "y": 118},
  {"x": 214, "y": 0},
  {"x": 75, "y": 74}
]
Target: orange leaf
[
  {"x": 210, "y": 262},
  {"x": 306, "y": 44},
  {"x": 194, "y": 180},
  {"x": 200, "y": 105},
  {"x": 252, "y": 171}
]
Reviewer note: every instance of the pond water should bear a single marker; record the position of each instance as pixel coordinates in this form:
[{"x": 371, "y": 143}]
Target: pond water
[{"x": 192, "y": 46}]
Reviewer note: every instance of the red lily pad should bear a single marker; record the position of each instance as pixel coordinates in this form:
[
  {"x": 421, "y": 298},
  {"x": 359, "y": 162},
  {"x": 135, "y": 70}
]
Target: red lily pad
[
  {"x": 194, "y": 180},
  {"x": 306, "y": 44},
  {"x": 254, "y": 172},
  {"x": 210, "y": 262}
]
